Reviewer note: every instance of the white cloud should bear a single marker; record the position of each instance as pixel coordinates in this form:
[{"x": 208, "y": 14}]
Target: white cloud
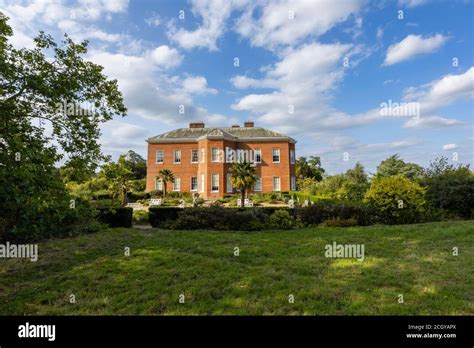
[
  {"x": 431, "y": 122},
  {"x": 166, "y": 57},
  {"x": 411, "y": 3},
  {"x": 303, "y": 82},
  {"x": 411, "y": 46},
  {"x": 214, "y": 14},
  {"x": 56, "y": 17},
  {"x": 445, "y": 91},
  {"x": 450, "y": 147},
  {"x": 275, "y": 23},
  {"x": 151, "y": 93},
  {"x": 197, "y": 85}
]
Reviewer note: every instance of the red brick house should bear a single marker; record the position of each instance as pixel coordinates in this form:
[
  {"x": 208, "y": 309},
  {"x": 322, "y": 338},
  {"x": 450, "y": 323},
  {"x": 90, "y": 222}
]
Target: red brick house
[{"x": 200, "y": 158}]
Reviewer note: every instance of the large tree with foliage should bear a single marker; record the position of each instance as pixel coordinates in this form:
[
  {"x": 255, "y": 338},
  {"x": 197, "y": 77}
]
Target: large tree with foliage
[
  {"x": 395, "y": 166},
  {"x": 309, "y": 168},
  {"x": 120, "y": 177},
  {"x": 450, "y": 188},
  {"x": 243, "y": 178},
  {"x": 37, "y": 89}
]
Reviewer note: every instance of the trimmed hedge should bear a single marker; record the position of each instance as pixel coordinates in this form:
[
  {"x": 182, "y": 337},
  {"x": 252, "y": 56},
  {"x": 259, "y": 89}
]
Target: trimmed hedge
[
  {"x": 322, "y": 211},
  {"x": 160, "y": 216},
  {"x": 214, "y": 217},
  {"x": 116, "y": 217}
]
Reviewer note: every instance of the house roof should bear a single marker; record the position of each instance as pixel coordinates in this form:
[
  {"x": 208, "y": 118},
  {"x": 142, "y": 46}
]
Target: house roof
[{"x": 227, "y": 133}]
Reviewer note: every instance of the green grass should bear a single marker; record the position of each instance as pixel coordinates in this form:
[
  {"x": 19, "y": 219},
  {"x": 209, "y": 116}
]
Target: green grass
[{"x": 414, "y": 260}]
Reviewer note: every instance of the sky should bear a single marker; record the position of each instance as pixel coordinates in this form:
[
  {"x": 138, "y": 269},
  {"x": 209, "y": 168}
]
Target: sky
[{"x": 350, "y": 80}]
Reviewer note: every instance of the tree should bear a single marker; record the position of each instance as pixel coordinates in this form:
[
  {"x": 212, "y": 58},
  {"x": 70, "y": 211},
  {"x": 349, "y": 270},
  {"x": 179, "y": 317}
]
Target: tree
[
  {"x": 138, "y": 164},
  {"x": 36, "y": 90},
  {"x": 439, "y": 166},
  {"x": 450, "y": 188},
  {"x": 166, "y": 175},
  {"x": 119, "y": 176},
  {"x": 309, "y": 168},
  {"x": 398, "y": 199},
  {"x": 243, "y": 178},
  {"x": 357, "y": 174},
  {"x": 355, "y": 185},
  {"x": 394, "y": 166}
]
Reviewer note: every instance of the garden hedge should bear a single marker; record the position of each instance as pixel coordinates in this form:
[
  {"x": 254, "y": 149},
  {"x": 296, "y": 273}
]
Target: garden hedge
[
  {"x": 323, "y": 211},
  {"x": 236, "y": 218},
  {"x": 159, "y": 216},
  {"x": 116, "y": 217}
]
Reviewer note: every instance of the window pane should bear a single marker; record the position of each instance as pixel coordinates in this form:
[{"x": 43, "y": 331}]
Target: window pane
[
  {"x": 177, "y": 156},
  {"x": 276, "y": 155},
  {"x": 194, "y": 183},
  {"x": 177, "y": 184},
  {"x": 258, "y": 156},
  {"x": 202, "y": 182},
  {"x": 258, "y": 184},
  {"x": 159, "y": 184},
  {"x": 194, "y": 156},
  {"x": 229, "y": 183},
  {"x": 276, "y": 183},
  {"x": 214, "y": 154},
  {"x": 215, "y": 182},
  {"x": 203, "y": 155},
  {"x": 159, "y": 156}
]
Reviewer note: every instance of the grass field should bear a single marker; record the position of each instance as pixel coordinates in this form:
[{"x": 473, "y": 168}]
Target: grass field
[{"x": 415, "y": 261}]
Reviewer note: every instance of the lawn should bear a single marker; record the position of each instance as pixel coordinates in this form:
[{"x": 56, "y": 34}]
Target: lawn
[{"x": 415, "y": 261}]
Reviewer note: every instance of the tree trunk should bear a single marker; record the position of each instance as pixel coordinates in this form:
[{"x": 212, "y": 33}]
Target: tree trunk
[
  {"x": 164, "y": 188},
  {"x": 124, "y": 196},
  {"x": 242, "y": 198}
]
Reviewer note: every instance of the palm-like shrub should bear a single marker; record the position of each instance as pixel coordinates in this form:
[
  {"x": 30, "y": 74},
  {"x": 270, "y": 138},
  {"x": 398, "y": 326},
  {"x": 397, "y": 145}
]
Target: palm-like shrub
[
  {"x": 166, "y": 175},
  {"x": 243, "y": 178}
]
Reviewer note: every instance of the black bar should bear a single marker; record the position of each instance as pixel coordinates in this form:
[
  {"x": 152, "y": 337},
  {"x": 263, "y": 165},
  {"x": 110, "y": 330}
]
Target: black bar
[{"x": 242, "y": 330}]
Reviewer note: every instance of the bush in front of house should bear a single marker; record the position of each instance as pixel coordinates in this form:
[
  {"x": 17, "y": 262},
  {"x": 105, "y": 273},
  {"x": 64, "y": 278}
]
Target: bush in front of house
[
  {"x": 321, "y": 211},
  {"x": 140, "y": 217},
  {"x": 219, "y": 218},
  {"x": 282, "y": 219},
  {"x": 116, "y": 217},
  {"x": 337, "y": 222},
  {"x": 397, "y": 200},
  {"x": 161, "y": 216}
]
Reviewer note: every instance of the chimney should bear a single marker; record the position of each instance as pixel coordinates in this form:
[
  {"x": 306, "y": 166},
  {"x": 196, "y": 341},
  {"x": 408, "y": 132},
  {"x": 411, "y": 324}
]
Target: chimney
[
  {"x": 235, "y": 126},
  {"x": 248, "y": 124},
  {"x": 196, "y": 125}
]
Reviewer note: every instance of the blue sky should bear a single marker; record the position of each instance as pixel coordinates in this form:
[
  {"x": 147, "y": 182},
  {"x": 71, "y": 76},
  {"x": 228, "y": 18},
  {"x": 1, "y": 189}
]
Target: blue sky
[{"x": 333, "y": 63}]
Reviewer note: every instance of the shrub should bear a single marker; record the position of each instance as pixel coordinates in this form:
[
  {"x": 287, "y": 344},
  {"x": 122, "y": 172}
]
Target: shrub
[
  {"x": 218, "y": 218},
  {"x": 281, "y": 219},
  {"x": 138, "y": 196},
  {"x": 140, "y": 217},
  {"x": 397, "y": 199},
  {"x": 321, "y": 211},
  {"x": 61, "y": 221},
  {"x": 116, "y": 217},
  {"x": 336, "y": 222},
  {"x": 452, "y": 191},
  {"x": 160, "y": 216}
]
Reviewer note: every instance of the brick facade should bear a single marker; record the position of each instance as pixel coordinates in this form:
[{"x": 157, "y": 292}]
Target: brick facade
[{"x": 204, "y": 140}]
